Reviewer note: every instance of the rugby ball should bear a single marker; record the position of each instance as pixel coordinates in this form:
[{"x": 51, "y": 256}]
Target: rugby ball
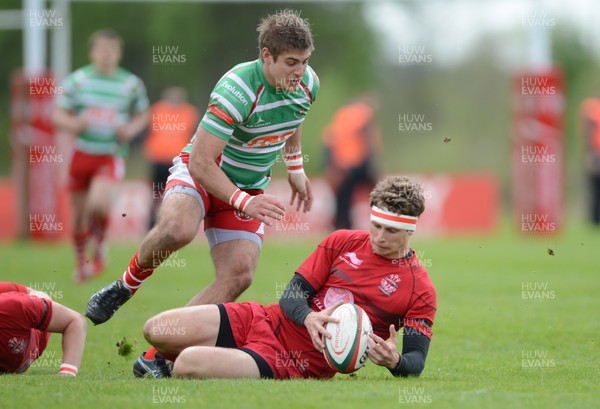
[{"x": 346, "y": 350}]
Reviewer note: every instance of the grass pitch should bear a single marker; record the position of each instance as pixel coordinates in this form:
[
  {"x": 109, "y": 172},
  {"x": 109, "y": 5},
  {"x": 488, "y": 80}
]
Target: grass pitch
[{"x": 517, "y": 327}]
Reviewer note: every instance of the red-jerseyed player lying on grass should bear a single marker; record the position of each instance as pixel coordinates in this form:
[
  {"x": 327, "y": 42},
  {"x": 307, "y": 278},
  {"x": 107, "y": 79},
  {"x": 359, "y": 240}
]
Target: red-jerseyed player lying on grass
[
  {"x": 374, "y": 269},
  {"x": 27, "y": 319}
]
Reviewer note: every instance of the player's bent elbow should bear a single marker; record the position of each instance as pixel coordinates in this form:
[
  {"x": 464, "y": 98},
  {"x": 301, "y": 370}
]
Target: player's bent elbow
[
  {"x": 198, "y": 168},
  {"x": 81, "y": 323},
  {"x": 57, "y": 117},
  {"x": 72, "y": 323},
  {"x": 202, "y": 165},
  {"x": 61, "y": 118}
]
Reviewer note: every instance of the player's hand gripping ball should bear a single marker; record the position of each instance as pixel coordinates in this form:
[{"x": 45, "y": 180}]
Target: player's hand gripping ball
[{"x": 346, "y": 350}]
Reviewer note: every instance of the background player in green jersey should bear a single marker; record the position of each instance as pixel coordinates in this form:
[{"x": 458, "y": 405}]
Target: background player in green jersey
[
  {"x": 255, "y": 113},
  {"x": 104, "y": 106}
]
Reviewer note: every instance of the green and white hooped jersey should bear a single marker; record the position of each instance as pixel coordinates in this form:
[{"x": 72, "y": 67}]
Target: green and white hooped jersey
[
  {"x": 255, "y": 119},
  {"x": 106, "y": 102}
]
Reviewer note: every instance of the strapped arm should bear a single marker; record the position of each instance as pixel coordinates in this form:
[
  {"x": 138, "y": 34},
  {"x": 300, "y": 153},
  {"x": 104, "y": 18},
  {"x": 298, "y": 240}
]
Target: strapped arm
[
  {"x": 294, "y": 301},
  {"x": 415, "y": 346}
]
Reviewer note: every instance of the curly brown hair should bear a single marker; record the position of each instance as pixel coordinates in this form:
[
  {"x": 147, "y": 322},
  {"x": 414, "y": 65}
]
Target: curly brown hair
[
  {"x": 284, "y": 31},
  {"x": 399, "y": 194}
]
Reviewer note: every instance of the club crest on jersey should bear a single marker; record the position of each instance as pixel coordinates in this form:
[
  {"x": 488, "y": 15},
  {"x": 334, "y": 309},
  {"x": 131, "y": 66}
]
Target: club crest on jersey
[
  {"x": 16, "y": 345},
  {"x": 351, "y": 259},
  {"x": 389, "y": 284},
  {"x": 335, "y": 294},
  {"x": 241, "y": 216}
]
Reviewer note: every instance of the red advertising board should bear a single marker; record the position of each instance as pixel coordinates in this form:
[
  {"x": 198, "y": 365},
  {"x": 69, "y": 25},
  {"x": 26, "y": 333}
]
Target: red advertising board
[
  {"x": 538, "y": 151},
  {"x": 37, "y": 162},
  {"x": 456, "y": 203}
]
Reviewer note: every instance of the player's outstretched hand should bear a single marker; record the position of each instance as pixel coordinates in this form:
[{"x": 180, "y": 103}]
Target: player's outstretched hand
[
  {"x": 383, "y": 352},
  {"x": 265, "y": 208},
  {"x": 315, "y": 324},
  {"x": 301, "y": 190}
]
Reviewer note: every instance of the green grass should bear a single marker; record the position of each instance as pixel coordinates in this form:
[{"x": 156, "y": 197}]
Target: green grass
[{"x": 483, "y": 328}]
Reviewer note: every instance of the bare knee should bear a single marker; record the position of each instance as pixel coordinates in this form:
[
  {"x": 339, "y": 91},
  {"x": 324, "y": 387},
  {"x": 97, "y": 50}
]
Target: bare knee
[
  {"x": 79, "y": 219},
  {"x": 237, "y": 279},
  {"x": 97, "y": 209},
  {"x": 157, "y": 333},
  {"x": 178, "y": 221},
  {"x": 150, "y": 330},
  {"x": 187, "y": 366},
  {"x": 79, "y": 222},
  {"x": 244, "y": 281},
  {"x": 176, "y": 232}
]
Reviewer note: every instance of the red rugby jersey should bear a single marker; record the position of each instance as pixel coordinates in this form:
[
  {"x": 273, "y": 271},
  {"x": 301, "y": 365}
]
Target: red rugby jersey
[
  {"x": 23, "y": 320},
  {"x": 344, "y": 266}
]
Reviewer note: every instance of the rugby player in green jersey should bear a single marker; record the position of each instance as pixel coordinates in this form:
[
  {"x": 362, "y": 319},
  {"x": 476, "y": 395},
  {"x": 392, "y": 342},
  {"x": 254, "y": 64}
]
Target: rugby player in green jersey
[
  {"x": 255, "y": 113},
  {"x": 104, "y": 107}
]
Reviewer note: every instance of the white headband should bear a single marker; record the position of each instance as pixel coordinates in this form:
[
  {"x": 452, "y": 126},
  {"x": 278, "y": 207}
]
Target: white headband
[{"x": 397, "y": 221}]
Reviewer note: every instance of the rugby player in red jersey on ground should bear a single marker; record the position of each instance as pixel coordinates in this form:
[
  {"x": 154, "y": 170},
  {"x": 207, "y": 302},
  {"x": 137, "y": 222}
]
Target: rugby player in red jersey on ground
[
  {"x": 376, "y": 270},
  {"x": 27, "y": 318},
  {"x": 255, "y": 112}
]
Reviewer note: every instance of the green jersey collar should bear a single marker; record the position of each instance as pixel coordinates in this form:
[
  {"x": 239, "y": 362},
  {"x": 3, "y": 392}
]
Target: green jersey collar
[{"x": 263, "y": 77}]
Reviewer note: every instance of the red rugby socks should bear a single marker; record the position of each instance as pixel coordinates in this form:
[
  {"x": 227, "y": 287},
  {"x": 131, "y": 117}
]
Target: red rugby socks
[{"x": 135, "y": 275}]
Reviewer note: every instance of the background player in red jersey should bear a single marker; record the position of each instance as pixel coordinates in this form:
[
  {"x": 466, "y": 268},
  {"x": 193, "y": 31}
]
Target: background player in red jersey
[
  {"x": 376, "y": 270},
  {"x": 27, "y": 318}
]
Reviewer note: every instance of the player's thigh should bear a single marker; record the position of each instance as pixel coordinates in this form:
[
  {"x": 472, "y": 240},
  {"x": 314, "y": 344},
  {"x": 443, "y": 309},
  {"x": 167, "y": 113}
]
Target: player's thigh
[
  {"x": 235, "y": 257},
  {"x": 180, "y": 212},
  {"x": 180, "y": 204},
  {"x": 174, "y": 330},
  {"x": 101, "y": 192},
  {"x": 178, "y": 222},
  {"x": 214, "y": 362}
]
